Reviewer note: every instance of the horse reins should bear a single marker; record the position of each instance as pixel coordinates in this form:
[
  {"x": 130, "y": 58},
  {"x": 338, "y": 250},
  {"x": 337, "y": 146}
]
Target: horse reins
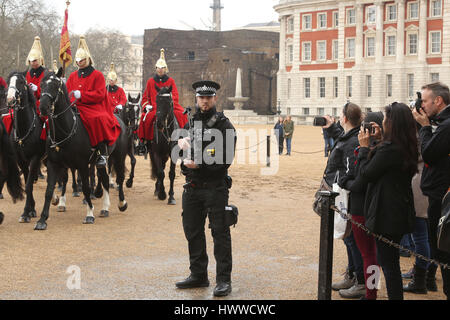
[{"x": 165, "y": 130}]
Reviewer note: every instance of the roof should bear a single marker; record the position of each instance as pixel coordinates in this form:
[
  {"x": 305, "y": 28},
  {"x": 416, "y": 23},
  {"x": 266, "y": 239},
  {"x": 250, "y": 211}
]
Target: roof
[{"x": 264, "y": 24}]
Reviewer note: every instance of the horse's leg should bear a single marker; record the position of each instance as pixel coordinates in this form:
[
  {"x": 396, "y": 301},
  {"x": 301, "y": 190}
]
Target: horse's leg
[
  {"x": 75, "y": 187},
  {"x": 162, "y": 195},
  {"x": 62, "y": 199},
  {"x": 85, "y": 173},
  {"x": 2, "y": 184},
  {"x": 103, "y": 180},
  {"x": 110, "y": 175},
  {"x": 133, "y": 164},
  {"x": 29, "y": 210},
  {"x": 119, "y": 167},
  {"x": 172, "y": 175},
  {"x": 98, "y": 193},
  {"x": 53, "y": 173}
]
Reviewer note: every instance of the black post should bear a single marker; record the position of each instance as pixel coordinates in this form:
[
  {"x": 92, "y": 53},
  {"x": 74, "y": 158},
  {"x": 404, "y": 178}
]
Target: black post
[
  {"x": 326, "y": 245},
  {"x": 268, "y": 151}
]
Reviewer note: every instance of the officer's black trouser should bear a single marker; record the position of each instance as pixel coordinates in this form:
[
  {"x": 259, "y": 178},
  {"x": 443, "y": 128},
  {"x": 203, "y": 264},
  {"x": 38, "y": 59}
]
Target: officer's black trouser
[
  {"x": 434, "y": 215},
  {"x": 197, "y": 204}
]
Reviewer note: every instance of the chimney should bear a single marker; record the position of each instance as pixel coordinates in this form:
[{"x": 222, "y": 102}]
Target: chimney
[{"x": 217, "y": 20}]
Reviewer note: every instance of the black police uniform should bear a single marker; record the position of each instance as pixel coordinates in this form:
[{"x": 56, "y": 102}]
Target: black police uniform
[{"x": 206, "y": 194}]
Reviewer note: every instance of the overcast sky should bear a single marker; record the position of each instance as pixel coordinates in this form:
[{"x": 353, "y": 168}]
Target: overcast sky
[{"x": 134, "y": 16}]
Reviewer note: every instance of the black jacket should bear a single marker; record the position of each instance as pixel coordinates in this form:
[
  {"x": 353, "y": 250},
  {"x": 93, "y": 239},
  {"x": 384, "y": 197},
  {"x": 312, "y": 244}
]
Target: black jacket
[
  {"x": 343, "y": 153},
  {"x": 218, "y": 169},
  {"x": 389, "y": 203},
  {"x": 436, "y": 155}
]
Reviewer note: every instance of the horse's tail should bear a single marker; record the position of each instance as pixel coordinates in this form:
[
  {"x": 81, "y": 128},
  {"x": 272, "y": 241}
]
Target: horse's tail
[{"x": 13, "y": 181}]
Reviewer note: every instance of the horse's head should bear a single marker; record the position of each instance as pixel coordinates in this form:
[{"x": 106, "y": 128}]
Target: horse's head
[
  {"x": 18, "y": 90},
  {"x": 53, "y": 90},
  {"x": 164, "y": 103},
  {"x": 132, "y": 110}
]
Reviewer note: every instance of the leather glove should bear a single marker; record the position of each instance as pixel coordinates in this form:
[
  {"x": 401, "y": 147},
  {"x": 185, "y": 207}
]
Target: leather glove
[
  {"x": 77, "y": 94},
  {"x": 33, "y": 87},
  {"x": 184, "y": 144},
  {"x": 119, "y": 107},
  {"x": 148, "y": 108}
]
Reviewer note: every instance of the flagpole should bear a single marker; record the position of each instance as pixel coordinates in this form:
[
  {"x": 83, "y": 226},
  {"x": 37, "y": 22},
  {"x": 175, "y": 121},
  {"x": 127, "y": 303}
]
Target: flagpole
[{"x": 64, "y": 63}]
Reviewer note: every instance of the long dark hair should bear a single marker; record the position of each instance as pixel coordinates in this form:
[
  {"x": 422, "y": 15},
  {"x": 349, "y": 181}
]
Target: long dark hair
[{"x": 401, "y": 129}]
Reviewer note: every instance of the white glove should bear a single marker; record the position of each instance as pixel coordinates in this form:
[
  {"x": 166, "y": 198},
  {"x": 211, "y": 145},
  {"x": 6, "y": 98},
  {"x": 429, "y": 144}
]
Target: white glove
[
  {"x": 148, "y": 108},
  {"x": 33, "y": 87},
  {"x": 77, "y": 94},
  {"x": 64, "y": 80},
  {"x": 119, "y": 107},
  {"x": 184, "y": 144}
]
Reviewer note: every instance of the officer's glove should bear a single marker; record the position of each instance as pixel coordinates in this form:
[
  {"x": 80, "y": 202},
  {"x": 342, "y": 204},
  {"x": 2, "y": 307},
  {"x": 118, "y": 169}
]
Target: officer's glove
[
  {"x": 33, "y": 87},
  {"x": 184, "y": 144},
  {"x": 77, "y": 94},
  {"x": 148, "y": 108},
  {"x": 64, "y": 80},
  {"x": 119, "y": 107}
]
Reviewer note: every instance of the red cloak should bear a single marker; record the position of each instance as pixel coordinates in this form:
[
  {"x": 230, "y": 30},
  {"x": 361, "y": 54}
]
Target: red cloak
[{"x": 116, "y": 97}]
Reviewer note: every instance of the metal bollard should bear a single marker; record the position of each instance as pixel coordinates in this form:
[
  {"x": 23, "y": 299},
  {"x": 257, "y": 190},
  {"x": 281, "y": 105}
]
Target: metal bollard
[
  {"x": 326, "y": 245},
  {"x": 268, "y": 151}
]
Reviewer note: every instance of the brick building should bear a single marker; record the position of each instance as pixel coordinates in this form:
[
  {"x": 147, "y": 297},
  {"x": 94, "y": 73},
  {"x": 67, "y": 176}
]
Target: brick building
[
  {"x": 195, "y": 55},
  {"x": 369, "y": 52}
]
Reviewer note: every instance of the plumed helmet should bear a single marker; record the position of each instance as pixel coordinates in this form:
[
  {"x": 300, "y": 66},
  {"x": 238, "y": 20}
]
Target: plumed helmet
[
  {"x": 83, "y": 52},
  {"x": 112, "y": 75},
  {"x": 162, "y": 61},
  {"x": 55, "y": 66},
  {"x": 36, "y": 52}
]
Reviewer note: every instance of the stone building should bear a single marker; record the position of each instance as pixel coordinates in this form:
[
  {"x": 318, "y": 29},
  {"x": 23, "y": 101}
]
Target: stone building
[
  {"x": 372, "y": 52},
  {"x": 196, "y": 55}
]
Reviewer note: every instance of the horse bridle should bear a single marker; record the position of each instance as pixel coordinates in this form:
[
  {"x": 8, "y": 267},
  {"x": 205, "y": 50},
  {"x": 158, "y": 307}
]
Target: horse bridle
[
  {"x": 166, "y": 124},
  {"x": 52, "y": 117}
]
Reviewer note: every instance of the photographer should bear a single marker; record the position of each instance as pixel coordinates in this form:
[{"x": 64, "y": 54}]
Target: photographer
[
  {"x": 346, "y": 136},
  {"x": 389, "y": 204},
  {"x": 435, "y": 145}
]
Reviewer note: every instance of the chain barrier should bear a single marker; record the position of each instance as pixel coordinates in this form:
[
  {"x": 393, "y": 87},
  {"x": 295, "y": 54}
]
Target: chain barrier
[
  {"x": 256, "y": 145},
  {"x": 390, "y": 243}
]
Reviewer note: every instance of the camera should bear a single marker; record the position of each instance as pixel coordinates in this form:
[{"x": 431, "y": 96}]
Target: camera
[
  {"x": 320, "y": 122},
  {"x": 418, "y": 104},
  {"x": 368, "y": 127}
]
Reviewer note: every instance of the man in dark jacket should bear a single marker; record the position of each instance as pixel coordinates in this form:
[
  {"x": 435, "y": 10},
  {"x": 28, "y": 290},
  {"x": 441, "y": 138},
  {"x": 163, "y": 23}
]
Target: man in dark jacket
[
  {"x": 279, "y": 133},
  {"x": 434, "y": 117}
]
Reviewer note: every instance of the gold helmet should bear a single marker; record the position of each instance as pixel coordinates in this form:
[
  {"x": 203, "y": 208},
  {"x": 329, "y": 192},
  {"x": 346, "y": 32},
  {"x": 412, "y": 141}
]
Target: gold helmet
[
  {"x": 36, "y": 52},
  {"x": 83, "y": 52},
  {"x": 162, "y": 61},
  {"x": 55, "y": 66},
  {"x": 112, "y": 75}
]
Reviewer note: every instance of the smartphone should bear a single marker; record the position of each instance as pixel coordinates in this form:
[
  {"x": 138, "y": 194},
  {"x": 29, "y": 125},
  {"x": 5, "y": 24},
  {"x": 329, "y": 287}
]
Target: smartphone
[
  {"x": 320, "y": 122},
  {"x": 419, "y": 101}
]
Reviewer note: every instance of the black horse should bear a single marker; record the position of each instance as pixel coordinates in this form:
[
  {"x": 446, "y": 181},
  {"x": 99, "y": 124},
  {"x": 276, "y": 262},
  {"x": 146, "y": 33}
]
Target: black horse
[
  {"x": 3, "y": 110},
  {"x": 26, "y": 136},
  {"x": 67, "y": 148},
  {"x": 161, "y": 147}
]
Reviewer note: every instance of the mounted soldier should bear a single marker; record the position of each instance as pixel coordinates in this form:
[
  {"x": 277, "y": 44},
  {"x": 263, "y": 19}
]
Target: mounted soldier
[
  {"x": 88, "y": 93},
  {"x": 149, "y": 106},
  {"x": 35, "y": 61},
  {"x": 116, "y": 95}
]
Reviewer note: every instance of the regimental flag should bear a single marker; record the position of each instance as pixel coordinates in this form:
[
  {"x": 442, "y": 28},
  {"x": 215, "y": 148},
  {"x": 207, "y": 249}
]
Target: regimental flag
[{"x": 65, "y": 54}]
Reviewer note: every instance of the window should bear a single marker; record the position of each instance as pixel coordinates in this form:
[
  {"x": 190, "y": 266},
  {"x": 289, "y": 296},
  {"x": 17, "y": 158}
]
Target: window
[
  {"x": 434, "y": 77},
  {"x": 334, "y": 112},
  {"x": 321, "y": 111},
  {"x": 389, "y": 85},
  {"x": 290, "y": 25},
  {"x": 391, "y": 45},
  {"x": 349, "y": 86},
  {"x": 336, "y": 19},
  {"x": 370, "y": 47},
  {"x": 391, "y": 12},
  {"x": 306, "y": 111},
  {"x": 371, "y": 14},
  {"x": 435, "y": 42},
  {"x": 306, "y": 51},
  {"x": 413, "y": 10},
  {"x": 307, "y": 24},
  {"x": 351, "y": 48},
  {"x": 411, "y": 85},
  {"x": 321, "y": 20},
  {"x": 307, "y": 85},
  {"x": 321, "y": 50},
  {"x": 289, "y": 88},
  {"x": 322, "y": 87},
  {"x": 436, "y": 8},
  {"x": 351, "y": 16},
  {"x": 412, "y": 43},
  {"x": 336, "y": 87},
  {"x": 335, "y": 49},
  {"x": 369, "y": 86},
  {"x": 191, "y": 55},
  {"x": 290, "y": 53}
]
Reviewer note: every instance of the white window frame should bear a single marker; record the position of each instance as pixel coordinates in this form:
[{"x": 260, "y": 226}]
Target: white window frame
[
  {"x": 290, "y": 25},
  {"x": 335, "y": 19},
  {"x": 388, "y": 53},
  {"x": 368, "y": 8},
  {"x": 369, "y": 86},
  {"x": 319, "y": 82},
  {"x": 304, "y": 52},
  {"x": 348, "y": 47},
  {"x": 430, "y": 37},
  {"x": 409, "y": 10},
  {"x": 349, "y": 83},
  {"x": 290, "y": 53},
  {"x": 348, "y": 16},
  {"x": 367, "y": 46},
  {"x": 307, "y": 89},
  {"x": 335, "y": 87},
  {"x": 410, "y": 87},
  {"x": 318, "y": 50},
  {"x": 432, "y": 8},
  {"x": 389, "y": 85},
  {"x": 304, "y": 27},
  {"x": 408, "y": 42},
  {"x": 388, "y": 12},
  {"x": 335, "y": 53},
  {"x": 318, "y": 20}
]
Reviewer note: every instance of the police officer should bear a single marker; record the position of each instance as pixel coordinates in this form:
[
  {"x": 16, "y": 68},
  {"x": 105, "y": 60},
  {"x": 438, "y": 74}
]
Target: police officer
[{"x": 206, "y": 191}]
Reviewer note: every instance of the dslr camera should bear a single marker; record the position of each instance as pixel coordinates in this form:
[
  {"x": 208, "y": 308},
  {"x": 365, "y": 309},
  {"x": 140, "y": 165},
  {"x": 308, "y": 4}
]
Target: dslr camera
[{"x": 320, "y": 122}]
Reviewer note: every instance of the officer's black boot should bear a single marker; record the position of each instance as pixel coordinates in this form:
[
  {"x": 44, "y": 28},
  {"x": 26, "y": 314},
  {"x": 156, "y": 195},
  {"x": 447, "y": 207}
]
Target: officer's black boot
[
  {"x": 102, "y": 159},
  {"x": 431, "y": 278},
  {"x": 193, "y": 282},
  {"x": 222, "y": 289},
  {"x": 418, "y": 283}
]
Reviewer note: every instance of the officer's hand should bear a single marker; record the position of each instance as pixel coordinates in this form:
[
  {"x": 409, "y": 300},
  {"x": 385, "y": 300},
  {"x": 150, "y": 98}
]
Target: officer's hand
[
  {"x": 184, "y": 144},
  {"x": 148, "y": 108},
  {"x": 77, "y": 94},
  {"x": 119, "y": 107},
  {"x": 33, "y": 87},
  {"x": 421, "y": 118},
  {"x": 64, "y": 80},
  {"x": 190, "y": 164},
  {"x": 330, "y": 122}
]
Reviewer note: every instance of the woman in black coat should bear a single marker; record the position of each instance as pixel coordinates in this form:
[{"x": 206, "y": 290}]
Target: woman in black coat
[{"x": 389, "y": 204}]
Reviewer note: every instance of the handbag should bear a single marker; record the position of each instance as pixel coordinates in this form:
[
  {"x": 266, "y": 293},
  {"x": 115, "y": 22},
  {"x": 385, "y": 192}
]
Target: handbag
[
  {"x": 319, "y": 200},
  {"x": 342, "y": 226},
  {"x": 444, "y": 225}
]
